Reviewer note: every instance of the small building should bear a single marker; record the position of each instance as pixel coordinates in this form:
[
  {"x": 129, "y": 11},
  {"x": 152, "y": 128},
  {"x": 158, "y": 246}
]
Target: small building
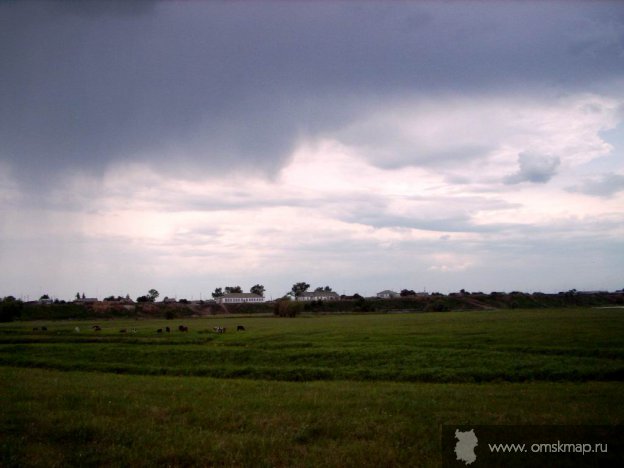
[
  {"x": 239, "y": 298},
  {"x": 86, "y": 300},
  {"x": 387, "y": 294},
  {"x": 318, "y": 296}
]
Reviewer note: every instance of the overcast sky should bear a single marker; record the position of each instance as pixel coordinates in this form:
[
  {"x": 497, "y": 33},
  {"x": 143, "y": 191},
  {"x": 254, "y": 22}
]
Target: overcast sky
[{"x": 185, "y": 146}]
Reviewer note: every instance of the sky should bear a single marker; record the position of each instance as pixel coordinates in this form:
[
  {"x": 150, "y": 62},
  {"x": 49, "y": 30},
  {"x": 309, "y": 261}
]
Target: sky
[{"x": 432, "y": 146}]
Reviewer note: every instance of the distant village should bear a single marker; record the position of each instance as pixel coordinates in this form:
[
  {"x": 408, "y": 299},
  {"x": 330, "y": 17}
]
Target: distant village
[
  {"x": 300, "y": 299},
  {"x": 299, "y": 292}
]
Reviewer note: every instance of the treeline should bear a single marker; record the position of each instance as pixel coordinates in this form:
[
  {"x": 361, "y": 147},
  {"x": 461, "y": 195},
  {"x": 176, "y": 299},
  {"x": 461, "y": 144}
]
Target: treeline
[
  {"x": 14, "y": 309},
  {"x": 460, "y": 301}
]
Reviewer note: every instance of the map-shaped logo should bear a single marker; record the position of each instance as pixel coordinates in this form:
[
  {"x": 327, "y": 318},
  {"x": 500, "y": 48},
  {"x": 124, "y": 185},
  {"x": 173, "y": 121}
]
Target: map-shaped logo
[{"x": 465, "y": 446}]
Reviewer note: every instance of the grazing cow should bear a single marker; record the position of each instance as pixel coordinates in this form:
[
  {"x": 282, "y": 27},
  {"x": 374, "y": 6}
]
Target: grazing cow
[
  {"x": 96, "y": 328},
  {"x": 123, "y": 330},
  {"x": 219, "y": 330},
  {"x": 159, "y": 330},
  {"x": 168, "y": 330},
  {"x": 240, "y": 328},
  {"x": 133, "y": 330},
  {"x": 183, "y": 328},
  {"x": 44, "y": 328},
  {"x": 35, "y": 329},
  {"x": 77, "y": 330}
]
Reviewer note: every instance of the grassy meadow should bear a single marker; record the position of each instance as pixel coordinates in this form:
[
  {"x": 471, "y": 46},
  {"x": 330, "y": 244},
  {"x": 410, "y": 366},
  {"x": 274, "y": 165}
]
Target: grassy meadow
[{"x": 326, "y": 390}]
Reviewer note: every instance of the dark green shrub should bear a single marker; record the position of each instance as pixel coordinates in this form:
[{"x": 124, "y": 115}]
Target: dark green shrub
[
  {"x": 10, "y": 309},
  {"x": 438, "y": 306},
  {"x": 288, "y": 308},
  {"x": 362, "y": 305}
]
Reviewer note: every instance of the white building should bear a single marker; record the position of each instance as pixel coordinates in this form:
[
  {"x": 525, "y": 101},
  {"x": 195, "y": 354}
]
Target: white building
[
  {"x": 318, "y": 296},
  {"x": 387, "y": 294},
  {"x": 239, "y": 298}
]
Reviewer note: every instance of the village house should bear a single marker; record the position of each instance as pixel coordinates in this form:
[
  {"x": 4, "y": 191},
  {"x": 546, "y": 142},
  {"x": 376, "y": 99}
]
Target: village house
[
  {"x": 318, "y": 296},
  {"x": 387, "y": 294},
  {"x": 239, "y": 298}
]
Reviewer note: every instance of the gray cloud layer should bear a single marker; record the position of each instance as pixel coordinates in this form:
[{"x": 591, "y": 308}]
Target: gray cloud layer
[
  {"x": 605, "y": 185},
  {"x": 534, "y": 168},
  {"x": 222, "y": 85}
]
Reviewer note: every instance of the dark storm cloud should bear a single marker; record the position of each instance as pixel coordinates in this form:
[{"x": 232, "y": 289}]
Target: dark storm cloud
[{"x": 219, "y": 86}]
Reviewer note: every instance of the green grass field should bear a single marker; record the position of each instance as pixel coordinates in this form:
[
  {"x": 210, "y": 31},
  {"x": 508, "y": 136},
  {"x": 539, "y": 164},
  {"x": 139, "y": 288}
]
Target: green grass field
[{"x": 332, "y": 390}]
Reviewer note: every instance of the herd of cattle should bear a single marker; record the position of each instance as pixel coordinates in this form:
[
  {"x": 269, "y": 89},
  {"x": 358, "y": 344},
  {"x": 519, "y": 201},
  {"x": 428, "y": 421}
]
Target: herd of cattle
[{"x": 182, "y": 328}]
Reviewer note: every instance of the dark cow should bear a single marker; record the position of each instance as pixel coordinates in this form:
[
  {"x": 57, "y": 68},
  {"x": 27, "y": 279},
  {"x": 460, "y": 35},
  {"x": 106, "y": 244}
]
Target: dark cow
[
  {"x": 240, "y": 328},
  {"x": 183, "y": 328},
  {"x": 96, "y": 328},
  {"x": 35, "y": 329},
  {"x": 159, "y": 330},
  {"x": 44, "y": 328},
  {"x": 168, "y": 330},
  {"x": 123, "y": 330}
]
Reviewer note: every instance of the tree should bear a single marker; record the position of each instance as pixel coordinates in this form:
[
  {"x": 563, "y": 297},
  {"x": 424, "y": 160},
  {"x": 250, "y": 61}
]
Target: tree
[
  {"x": 77, "y": 296},
  {"x": 407, "y": 292},
  {"x": 10, "y": 309},
  {"x": 287, "y": 308},
  {"x": 323, "y": 289},
  {"x": 218, "y": 292},
  {"x": 44, "y": 297},
  {"x": 300, "y": 288},
  {"x": 233, "y": 289},
  {"x": 152, "y": 294},
  {"x": 257, "y": 289}
]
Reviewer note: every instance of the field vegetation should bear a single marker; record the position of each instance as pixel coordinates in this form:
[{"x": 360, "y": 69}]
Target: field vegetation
[{"x": 315, "y": 390}]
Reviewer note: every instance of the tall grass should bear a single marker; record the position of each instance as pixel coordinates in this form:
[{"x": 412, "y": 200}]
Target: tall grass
[
  {"x": 334, "y": 391},
  {"x": 552, "y": 345},
  {"x": 53, "y": 418}
]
